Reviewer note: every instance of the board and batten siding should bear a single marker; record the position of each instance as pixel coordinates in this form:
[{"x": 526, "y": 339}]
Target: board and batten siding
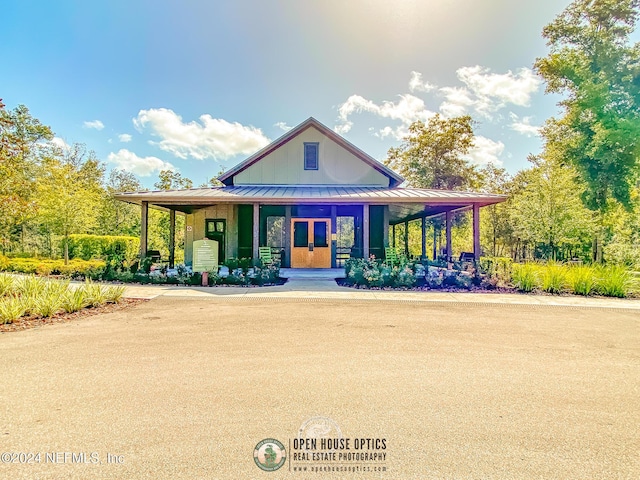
[
  {"x": 336, "y": 166},
  {"x": 196, "y": 221}
]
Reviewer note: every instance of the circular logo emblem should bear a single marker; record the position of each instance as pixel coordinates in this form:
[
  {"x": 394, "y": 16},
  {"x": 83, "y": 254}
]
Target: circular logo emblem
[
  {"x": 269, "y": 454},
  {"x": 319, "y": 427}
]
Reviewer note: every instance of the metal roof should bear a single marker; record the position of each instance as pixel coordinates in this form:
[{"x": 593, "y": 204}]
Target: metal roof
[
  {"x": 394, "y": 178},
  {"x": 282, "y": 194}
]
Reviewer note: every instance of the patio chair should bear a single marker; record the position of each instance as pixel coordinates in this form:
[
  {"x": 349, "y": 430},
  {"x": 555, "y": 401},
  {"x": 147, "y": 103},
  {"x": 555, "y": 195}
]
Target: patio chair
[
  {"x": 391, "y": 256},
  {"x": 265, "y": 255}
]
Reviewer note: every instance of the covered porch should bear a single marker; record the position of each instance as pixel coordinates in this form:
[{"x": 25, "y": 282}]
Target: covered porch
[{"x": 308, "y": 227}]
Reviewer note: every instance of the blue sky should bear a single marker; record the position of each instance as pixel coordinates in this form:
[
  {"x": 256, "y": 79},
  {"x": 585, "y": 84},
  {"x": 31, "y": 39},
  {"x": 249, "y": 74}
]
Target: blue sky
[{"x": 200, "y": 85}]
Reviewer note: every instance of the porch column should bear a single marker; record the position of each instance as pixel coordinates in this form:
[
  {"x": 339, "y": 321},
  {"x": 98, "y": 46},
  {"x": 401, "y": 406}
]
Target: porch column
[
  {"x": 393, "y": 235},
  {"x": 144, "y": 224},
  {"x": 448, "y": 234},
  {"x": 334, "y": 235},
  {"x": 286, "y": 261},
  {"x": 476, "y": 231},
  {"x": 385, "y": 226},
  {"x": 406, "y": 238},
  {"x": 365, "y": 230},
  {"x": 256, "y": 231},
  {"x": 172, "y": 238},
  {"x": 424, "y": 238}
]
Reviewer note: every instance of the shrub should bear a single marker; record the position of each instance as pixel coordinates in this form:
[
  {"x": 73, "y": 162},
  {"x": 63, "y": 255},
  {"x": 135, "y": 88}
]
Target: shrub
[
  {"x": 405, "y": 278},
  {"x": 525, "y": 278},
  {"x": 12, "y": 308},
  {"x": 4, "y": 262},
  {"x": 74, "y": 300},
  {"x": 114, "y": 294},
  {"x": 75, "y": 268},
  {"x": 497, "y": 269},
  {"x": 6, "y": 284},
  {"x": 553, "y": 278},
  {"x": 116, "y": 251},
  {"x": 614, "y": 281},
  {"x": 581, "y": 280}
]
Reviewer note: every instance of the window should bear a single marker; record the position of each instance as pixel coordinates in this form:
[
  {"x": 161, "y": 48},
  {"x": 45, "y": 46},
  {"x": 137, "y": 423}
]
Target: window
[
  {"x": 300, "y": 234},
  {"x": 311, "y": 156},
  {"x": 320, "y": 234}
]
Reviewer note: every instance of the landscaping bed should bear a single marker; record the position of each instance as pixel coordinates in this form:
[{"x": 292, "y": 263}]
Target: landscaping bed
[{"x": 494, "y": 275}]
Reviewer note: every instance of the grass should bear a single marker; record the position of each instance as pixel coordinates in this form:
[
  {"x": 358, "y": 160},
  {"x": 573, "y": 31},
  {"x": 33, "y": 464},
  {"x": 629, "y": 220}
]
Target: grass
[
  {"x": 525, "y": 277},
  {"x": 614, "y": 281},
  {"x": 554, "y": 278},
  {"x": 581, "y": 280},
  {"x": 41, "y": 297}
]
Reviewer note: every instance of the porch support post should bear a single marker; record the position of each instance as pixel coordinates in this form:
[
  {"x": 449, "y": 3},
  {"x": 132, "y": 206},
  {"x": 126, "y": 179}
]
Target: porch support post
[
  {"x": 448, "y": 234},
  {"x": 256, "y": 231},
  {"x": 144, "y": 228},
  {"x": 406, "y": 238},
  {"x": 334, "y": 231},
  {"x": 385, "y": 226},
  {"x": 286, "y": 261},
  {"x": 172, "y": 238},
  {"x": 476, "y": 231},
  {"x": 365, "y": 230},
  {"x": 424, "y": 239},
  {"x": 393, "y": 235}
]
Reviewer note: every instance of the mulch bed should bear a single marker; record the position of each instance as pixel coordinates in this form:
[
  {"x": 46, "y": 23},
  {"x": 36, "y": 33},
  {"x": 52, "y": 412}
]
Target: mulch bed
[{"x": 31, "y": 321}]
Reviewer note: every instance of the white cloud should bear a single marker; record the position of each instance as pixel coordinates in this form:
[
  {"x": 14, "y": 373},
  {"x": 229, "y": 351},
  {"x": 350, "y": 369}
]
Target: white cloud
[
  {"x": 407, "y": 110},
  {"x": 523, "y": 125},
  {"x": 61, "y": 144},
  {"x": 282, "y": 126},
  {"x": 96, "y": 124},
  {"x": 416, "y": 84},
  {"x": 487, "y": 92},
  {"x": 125, "y": 137},
  {"x": 143, "y": 166},
  {"x": 210, "y": 138},
  {"x": 486, "y": 151}
]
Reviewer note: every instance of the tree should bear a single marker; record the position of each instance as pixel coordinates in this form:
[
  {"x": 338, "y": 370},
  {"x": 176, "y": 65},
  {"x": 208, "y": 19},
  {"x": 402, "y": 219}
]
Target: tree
[
  {"x": 69, "y": 192},
  {"x": 21, "y": 135},
  {"x": 498, "y": 228},
  {"x": 433, "y": 155},
  {"x": 170, "y": 180},
  {"x": 116, "y": 217},
  {"x": 547, "y": 210},
  {"x": 594, "y": 65}
]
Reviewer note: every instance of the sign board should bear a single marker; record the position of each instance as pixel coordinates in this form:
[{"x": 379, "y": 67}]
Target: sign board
[{"x": 205, "y": 255}]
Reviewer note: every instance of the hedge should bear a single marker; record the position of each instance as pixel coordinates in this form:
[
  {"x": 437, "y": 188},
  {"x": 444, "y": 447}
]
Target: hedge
[
  {"x": 75, "y": 268},
  {"x": 116, "y": 251}
]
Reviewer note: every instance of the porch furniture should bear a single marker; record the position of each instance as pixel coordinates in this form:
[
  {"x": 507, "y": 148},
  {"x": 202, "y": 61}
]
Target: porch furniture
[{"x": 265, "y": 255}]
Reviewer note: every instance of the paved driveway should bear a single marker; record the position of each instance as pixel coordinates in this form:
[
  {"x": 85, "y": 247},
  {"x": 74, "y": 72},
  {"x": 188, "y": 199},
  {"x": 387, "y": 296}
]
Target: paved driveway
[{"x": 186, "y": 388}]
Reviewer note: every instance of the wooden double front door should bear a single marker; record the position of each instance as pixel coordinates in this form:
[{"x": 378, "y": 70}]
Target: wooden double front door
[{"x": 311, "y": 243}]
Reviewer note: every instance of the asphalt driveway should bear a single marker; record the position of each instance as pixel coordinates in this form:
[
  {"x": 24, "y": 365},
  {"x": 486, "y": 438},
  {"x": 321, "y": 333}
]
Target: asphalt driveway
[{"x": 187, "y": 387}]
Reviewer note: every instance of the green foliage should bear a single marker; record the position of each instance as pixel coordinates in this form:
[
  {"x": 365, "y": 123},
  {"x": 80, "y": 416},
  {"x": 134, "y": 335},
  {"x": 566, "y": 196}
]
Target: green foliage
[
  {"x": 581, "y": 280},
  {"x": 433, "y": 155},
  {"x": 75, "y": 268},
  {"x": 614, "y": 281},
  {"x": 498, "y": 270},
  {"x": 594, "y": 64},
  {"x": 117, "y": 251},
  {"x": 74, "y": 300},
  {"x": 525, "y": 277},
  {"x": 553, "y": 278},
  {"x": 12, "y": 307},
  {"x": 376, "y": 273},
  {"x": 6, "y": 284}
]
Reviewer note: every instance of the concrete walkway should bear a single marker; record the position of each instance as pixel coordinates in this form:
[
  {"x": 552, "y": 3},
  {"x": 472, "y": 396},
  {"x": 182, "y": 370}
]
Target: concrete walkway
[{"x": 310, "y": 285}]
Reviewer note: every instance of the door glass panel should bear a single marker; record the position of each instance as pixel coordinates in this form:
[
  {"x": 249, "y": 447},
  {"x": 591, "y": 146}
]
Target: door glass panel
[
  {"x": 300, "y": 234},
  {"x": 320, "y": 234}
]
